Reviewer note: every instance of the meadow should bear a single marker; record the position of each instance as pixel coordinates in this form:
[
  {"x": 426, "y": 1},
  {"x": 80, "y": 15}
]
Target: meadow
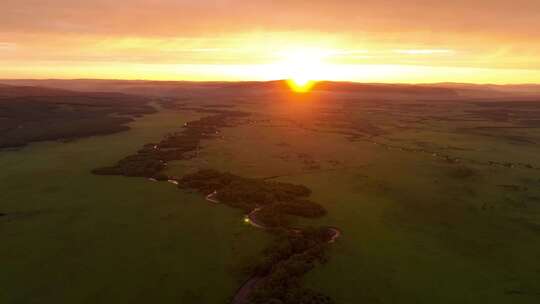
[
  {"x": 417, "y": 227},
  {"x": 437, "y": 202},
  {"x": 69, "y": 236}
]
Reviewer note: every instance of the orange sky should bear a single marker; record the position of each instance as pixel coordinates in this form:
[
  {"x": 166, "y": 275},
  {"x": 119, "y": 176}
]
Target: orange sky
[{"x": 479, "y": 41}]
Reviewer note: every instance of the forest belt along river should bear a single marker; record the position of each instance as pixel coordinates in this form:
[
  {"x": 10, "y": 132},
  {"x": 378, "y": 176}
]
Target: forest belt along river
[
  {"x": 242, "y": 294},
  {"x": 268, "y": 205}
]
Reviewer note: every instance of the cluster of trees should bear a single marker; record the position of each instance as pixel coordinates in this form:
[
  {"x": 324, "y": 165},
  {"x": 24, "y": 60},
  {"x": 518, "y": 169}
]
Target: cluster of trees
[
  {"x": 301, "y": 207},
  {"x": 141, "y": 165},
  {"x": 277, "y": 214},
  {"x": 241, "y": 192},
  {"x": 151, "y": 159},
  {"x": 26, "y": 116},
  {"x": 277, "y": 200},
  {"x": 288, "y": 244},
  {"x": 285, "y": 263},
  {"x": 295, "y": 252}
]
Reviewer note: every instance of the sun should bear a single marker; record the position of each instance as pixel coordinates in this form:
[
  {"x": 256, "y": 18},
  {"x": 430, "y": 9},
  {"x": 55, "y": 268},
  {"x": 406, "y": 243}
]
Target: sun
[
  {"x": 301, "y": 85},
  {"x": 303, "y": 67}
]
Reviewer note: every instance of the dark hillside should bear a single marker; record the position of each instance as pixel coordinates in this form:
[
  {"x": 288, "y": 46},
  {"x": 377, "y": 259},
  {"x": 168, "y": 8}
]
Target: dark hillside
[{"x": 29, "y": 114}]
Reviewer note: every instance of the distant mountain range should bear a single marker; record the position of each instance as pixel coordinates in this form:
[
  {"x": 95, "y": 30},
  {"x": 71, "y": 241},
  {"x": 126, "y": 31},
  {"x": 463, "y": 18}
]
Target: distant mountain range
[{"x": 437, "y": 91}]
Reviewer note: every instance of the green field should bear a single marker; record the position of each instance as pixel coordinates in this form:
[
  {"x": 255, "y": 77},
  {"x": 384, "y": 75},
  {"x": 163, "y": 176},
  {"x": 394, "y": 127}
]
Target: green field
[
  {"x": 431, "y": 210},
  {"x": 416, "y": 229},
  {"x": 74, "y": 237}
]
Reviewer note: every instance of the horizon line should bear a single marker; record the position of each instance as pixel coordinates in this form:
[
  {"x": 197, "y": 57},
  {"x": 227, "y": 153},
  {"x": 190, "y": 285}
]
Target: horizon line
[{"x": 274, "y": 80}]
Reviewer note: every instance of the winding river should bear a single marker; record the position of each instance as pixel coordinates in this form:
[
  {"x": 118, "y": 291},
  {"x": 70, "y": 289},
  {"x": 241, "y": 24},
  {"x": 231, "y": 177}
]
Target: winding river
[{"x": 242, "y": 294}]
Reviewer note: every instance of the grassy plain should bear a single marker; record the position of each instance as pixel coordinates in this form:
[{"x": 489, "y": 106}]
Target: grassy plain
[
  {"x": 417, "y": 228},
  {"x": 433, "y": 206},
  {"x": 74, "y": 237}
]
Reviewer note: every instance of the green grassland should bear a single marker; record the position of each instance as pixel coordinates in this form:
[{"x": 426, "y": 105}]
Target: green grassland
[
  {"x": 74, "y": 237},
  {"x": 418, "y": 225},
  {"x": 416, "y": 228}
]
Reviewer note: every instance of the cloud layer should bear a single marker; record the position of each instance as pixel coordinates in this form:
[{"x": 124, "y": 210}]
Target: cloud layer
[{"x": 493, "y": 34}]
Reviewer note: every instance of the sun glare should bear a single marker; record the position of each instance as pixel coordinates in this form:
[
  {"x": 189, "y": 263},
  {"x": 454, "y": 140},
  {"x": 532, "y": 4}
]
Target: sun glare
[
  {"x": 303, "y": 67},
  {"x": 300, "y": 85}
]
